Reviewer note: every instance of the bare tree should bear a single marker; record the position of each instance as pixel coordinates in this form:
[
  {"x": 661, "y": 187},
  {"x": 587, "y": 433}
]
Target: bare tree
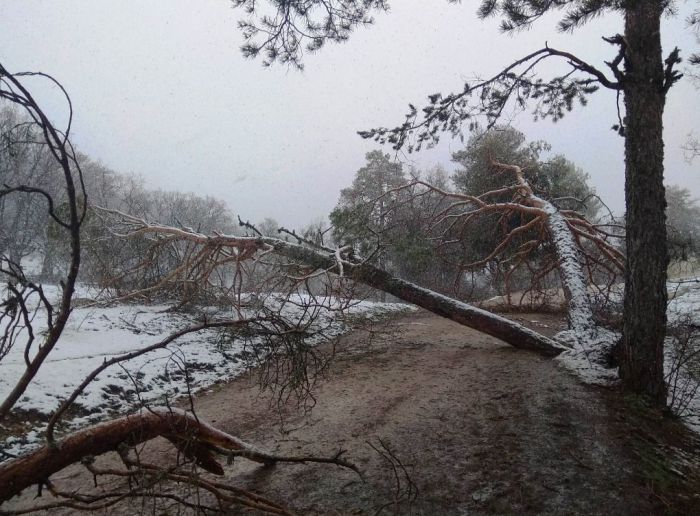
[
  {"x": 25, "y": 302},
  {"x": 23, "y": 218},
  {"x": 17, "y": 307}
]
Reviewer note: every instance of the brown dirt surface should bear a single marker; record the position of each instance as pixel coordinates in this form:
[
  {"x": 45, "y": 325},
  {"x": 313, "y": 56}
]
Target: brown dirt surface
[{"x": 444, "y": 420}]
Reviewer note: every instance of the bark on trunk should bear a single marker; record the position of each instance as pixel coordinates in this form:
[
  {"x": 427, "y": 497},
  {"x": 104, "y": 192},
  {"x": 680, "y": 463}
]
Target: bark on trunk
[
  {"x": 641, "y": 367},
  {"x": 508, "y": 331}
]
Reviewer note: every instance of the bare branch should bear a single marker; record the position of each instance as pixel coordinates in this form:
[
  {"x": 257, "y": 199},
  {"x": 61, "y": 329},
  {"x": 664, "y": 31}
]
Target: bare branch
[{"x": 11, "y": 88}]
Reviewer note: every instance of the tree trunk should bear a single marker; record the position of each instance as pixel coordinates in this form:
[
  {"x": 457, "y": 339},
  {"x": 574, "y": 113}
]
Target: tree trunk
[
  {"x": 641, "y": 367},
  {"x": 504, "y": 329},
  {"x": 579, "y": 312}
]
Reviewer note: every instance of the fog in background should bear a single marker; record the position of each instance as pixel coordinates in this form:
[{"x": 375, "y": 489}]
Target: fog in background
[{"x": 160, "y": 89}]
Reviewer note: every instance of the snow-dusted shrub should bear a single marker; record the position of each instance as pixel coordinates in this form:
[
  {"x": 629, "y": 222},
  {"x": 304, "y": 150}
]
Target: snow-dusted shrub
[{"x": 683, "y": 365}]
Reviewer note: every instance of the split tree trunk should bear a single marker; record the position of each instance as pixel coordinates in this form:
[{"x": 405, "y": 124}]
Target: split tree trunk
[
  {"x": 641, "y": 367},
  {"x": 579, "y": 311}
]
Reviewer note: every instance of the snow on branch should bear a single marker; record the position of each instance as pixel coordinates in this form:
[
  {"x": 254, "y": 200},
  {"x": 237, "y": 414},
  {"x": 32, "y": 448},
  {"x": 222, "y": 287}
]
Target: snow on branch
[{"x": 535, "y": 235}]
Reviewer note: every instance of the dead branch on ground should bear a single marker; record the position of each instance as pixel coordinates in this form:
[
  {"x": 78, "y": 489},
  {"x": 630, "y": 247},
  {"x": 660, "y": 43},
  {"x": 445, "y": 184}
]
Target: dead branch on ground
[{"x": 197, "y": 441}]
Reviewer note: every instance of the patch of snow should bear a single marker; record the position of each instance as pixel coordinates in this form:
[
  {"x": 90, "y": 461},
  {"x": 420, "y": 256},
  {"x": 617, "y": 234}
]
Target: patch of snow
[
  {"x": 95, "y": 334},
  {"x": 684, "y": 308},
  {"x": 684, "y": 299},
  {"x": 589, "y": 359}
]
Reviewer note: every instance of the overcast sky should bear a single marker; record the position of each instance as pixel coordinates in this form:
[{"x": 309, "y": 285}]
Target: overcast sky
[{"x": 160, "y": 89}]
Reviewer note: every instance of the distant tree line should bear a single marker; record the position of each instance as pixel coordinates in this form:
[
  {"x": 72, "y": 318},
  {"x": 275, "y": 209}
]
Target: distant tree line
[{"x": 28, "y": 234}]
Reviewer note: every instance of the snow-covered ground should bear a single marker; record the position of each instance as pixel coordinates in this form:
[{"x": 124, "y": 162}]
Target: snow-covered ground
[
  {"x": 95, "y": 334},
  {"x": 684, "y": 308},
  {"x": 684, "y": 299}
]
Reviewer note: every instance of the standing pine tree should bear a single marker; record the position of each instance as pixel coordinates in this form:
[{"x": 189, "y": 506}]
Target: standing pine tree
[
  {"x": 637, "y": 71},
  {"x": 364, "y": 213}
]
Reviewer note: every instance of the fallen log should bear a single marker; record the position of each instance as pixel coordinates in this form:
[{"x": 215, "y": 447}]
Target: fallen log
[
  {"x": 484, "y": 321},
  {"x": 188, "y": 433},
  {"x": 195, "y": 438},
  {"x": 319, "y": 258}
]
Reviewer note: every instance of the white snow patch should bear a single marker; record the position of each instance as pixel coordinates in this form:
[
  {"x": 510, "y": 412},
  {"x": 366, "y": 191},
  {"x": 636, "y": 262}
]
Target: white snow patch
[
  {"x": 684, "y": 308},
  {"x": 684, "y": 298},
  {"x": 95, "y": 334},
  {"x": 589, "y": 358}
]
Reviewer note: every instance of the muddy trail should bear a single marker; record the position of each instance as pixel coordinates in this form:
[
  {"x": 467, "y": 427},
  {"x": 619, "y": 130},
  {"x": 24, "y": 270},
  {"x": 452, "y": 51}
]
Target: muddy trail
[{"x": 444, "y": 420}]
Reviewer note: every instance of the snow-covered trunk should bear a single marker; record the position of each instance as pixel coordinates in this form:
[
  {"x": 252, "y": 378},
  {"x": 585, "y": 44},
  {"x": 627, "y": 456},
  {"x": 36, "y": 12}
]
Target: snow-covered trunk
[{"x": 579, "y": 312}]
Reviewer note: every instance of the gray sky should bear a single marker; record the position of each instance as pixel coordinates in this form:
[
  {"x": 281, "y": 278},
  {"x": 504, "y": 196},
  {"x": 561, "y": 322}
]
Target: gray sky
[{"x": 160, "y": 89}]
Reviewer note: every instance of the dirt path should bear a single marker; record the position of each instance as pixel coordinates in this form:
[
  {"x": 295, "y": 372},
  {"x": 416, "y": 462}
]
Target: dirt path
[{"x": 480, "y": 428}]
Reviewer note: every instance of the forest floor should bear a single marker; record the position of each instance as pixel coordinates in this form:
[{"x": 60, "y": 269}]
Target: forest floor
[{"x": 465, "y": 425}]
